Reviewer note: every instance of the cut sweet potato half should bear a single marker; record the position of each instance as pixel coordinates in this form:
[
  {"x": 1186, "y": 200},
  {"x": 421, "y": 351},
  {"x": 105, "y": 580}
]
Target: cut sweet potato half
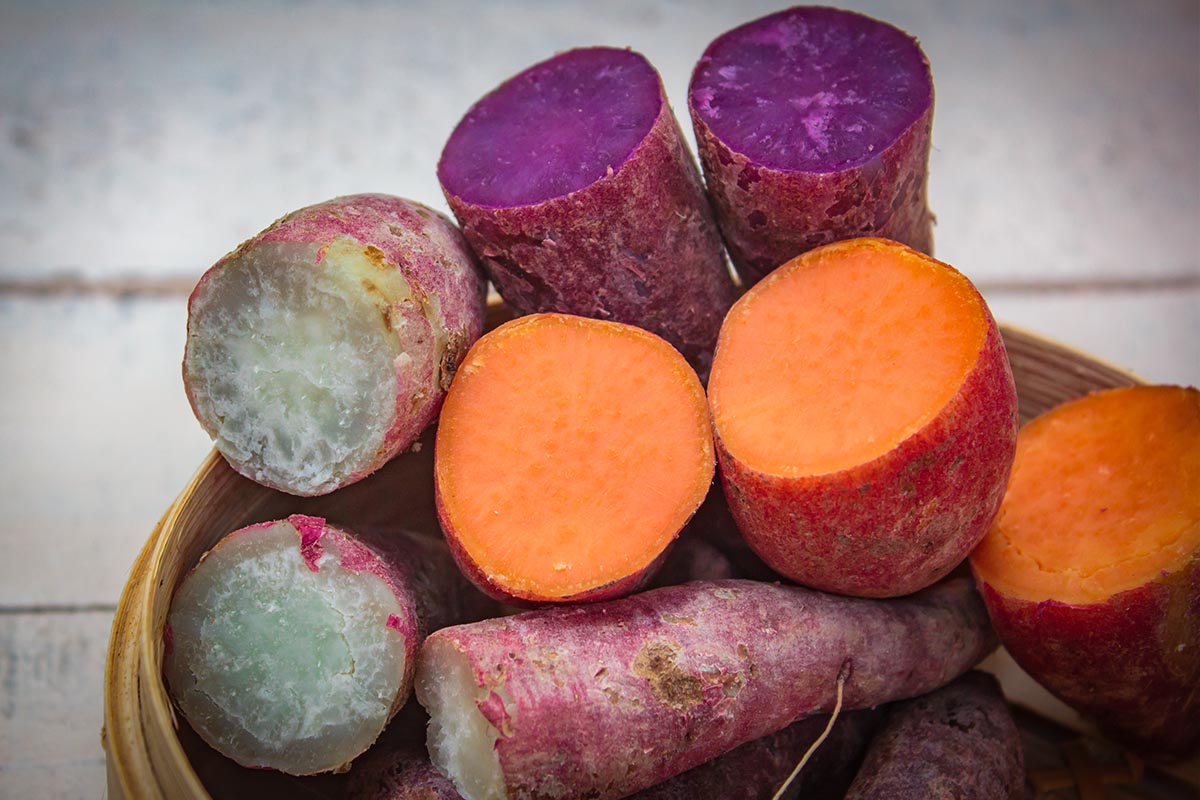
[{"x": 569, "y": 454}]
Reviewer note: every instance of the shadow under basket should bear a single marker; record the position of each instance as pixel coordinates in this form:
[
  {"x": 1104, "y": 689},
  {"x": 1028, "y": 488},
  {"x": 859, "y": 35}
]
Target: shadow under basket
[{"x": 152, "y": 754}]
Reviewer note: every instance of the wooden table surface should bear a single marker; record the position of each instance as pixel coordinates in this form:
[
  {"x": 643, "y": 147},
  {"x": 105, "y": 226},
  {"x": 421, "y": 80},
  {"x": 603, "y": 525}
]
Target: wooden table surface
[{"x": 141, "y": 141}]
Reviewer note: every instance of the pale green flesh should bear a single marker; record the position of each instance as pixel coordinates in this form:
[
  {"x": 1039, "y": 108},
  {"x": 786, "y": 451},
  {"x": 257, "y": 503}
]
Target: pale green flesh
[
  {"x": 291, "y": 365},
  {"x": 278, "y": 666}
]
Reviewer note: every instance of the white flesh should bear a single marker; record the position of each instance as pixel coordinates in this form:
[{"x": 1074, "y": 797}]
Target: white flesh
[
  {"x": 461, "y": 741},
  {"x": 278, "y": 666},
  {"x": 292, "y": 367}
]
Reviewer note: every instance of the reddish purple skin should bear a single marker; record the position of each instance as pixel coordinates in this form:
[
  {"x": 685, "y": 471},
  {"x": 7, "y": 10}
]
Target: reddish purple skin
[
  {"x": 903, "y": 521},
  {"x": 757, "y": 769},
  {"x": 958, "y": 743},
  {"x": 611, "y": 698},
  {"x": 638, "y": 245},
  {"x": 435, "y": 260},
  {"x": 770, "y": 212},
  {"x": 1130, "y": 663}
]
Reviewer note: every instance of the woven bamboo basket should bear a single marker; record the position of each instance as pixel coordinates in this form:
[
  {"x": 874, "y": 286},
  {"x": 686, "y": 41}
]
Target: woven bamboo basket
[{"x": 152, "y": 754}]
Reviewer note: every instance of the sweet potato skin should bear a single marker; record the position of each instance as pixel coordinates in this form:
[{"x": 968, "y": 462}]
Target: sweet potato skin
[
  {"x": 440, "y": 321},
  {"x": 957, "y": 743},
  {"x": 903, "y": 521},
  {"x": 769, "y": 216},
  {"x": 1131, "y": 662},
  {"x": 639, "y": 246},
  {"x": 685, "y": 673},
  {"x": 756, "y": 770}
]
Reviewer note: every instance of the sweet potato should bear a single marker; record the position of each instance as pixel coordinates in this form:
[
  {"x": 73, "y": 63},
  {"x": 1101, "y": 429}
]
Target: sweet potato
[
  {"x": 756, "y": 770},
  {"x": 813, "y": 125},
  {"x": 291, "y": 643},
  {"x": 753, "y": 771},
  {"x": 607, "y": 699},
  {"x": 1091, "y": 571},
  {"x": 957, "y": 743},
  {"x": 549, "y": 484},
  {"x": 572, "y": 183},
  {"x": 866, "y": 418},
  {"x": 323, "y": 346}
]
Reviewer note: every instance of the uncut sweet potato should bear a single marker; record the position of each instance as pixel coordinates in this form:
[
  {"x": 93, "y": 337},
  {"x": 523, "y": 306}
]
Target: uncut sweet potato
[
  {"x": 813, "y": 125},
  {"x": 323, "y": 346},
  {"x": 753, "y": 771},
  {"x": 572, "y": 183},
  {"x": 957, "y": 743},
  {"x": 292, "y": 643},
  {"x": 756, "y": 770},
  {"x": 607, "y": 699}
]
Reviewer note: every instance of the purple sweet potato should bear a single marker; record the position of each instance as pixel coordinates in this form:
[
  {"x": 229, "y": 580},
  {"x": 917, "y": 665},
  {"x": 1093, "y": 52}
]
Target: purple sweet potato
[
  {"x": 607, "y": 699},
  {"x": 291, "y": 643},
  {"x": 323, "y": 346},
  {"x": 572, "y": 183},
  {"x": 958, "y": 743},
  {"x": 813, "y": 125},
  {"x": 756, "y": 770}
]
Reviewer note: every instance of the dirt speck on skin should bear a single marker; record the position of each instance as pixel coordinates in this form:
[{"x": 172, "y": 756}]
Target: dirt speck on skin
[
  {"x": 375, "y": 256},
  {"x": 669, "y": 684}
]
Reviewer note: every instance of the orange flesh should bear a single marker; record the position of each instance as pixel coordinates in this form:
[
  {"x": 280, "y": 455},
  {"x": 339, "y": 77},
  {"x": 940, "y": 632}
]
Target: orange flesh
[
  {"x": 1104, "y": 497},
  {"x": 570, "y": 452},
  {"x": 840, "y": 355}
]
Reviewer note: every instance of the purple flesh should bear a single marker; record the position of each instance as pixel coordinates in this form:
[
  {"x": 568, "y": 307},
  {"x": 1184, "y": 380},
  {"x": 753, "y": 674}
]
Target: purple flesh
[
  {"x": 574, "y": 187},
  {"x": 812, "y": 89},
  {"x": 580, "y": 114},
  {"x": 813, "y": 125}
]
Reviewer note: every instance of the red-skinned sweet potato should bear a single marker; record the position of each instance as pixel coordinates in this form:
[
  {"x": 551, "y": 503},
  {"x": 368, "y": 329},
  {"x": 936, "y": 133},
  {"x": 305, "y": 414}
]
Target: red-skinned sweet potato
[
  {"x": 606, "y": 699},
  {"x": 865, "y": 416},
  {"x": 1091, "y": 570},
  {"x": 549, "y": 489}
]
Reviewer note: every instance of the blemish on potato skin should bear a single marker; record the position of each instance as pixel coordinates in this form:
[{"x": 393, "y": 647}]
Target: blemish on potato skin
[
  {"x": 669, "y": 684},
  {"x": 376, "y": 257}
]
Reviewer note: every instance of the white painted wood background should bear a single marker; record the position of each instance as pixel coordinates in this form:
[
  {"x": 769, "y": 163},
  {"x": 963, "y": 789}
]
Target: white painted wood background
[{"x": 140, "y": 141}]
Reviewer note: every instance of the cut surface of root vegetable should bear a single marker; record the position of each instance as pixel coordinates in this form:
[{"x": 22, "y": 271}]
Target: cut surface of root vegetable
[
  {"x": 570, "y": 452},
  {"x": 294, "y": 366},
  {"x": 461, "y": 741},
  {"x": 284, "y": 653},
  {"x": 322, "y": 347}
]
